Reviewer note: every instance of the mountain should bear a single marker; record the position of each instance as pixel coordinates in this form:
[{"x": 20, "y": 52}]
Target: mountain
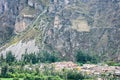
[{"x": 63, "y": 26}]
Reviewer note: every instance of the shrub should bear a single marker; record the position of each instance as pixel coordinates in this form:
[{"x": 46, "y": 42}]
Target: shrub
[
  {"x": 29, "y": 77},
  {"x": 39, "y": 78},
  {"x": 74, "y": 75},
  {"x": 21, "y": 75},
  {"x": 112, "y": 63},
  {"x": 54, "y": 78},
  {"x": 15, "y": 78},
  {"x": 10, "y": 75},
  {"x": 4, "y": 71}
]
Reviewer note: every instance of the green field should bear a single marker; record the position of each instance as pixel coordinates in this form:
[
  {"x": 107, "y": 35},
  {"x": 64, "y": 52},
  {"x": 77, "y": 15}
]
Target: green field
[{"x": 9, "y": 79}]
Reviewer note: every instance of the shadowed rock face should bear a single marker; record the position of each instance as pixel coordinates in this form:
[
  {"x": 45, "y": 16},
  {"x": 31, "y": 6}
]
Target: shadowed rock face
[
  {"x": 69, "y": 25},
  {"x": 9, "y": 10}
]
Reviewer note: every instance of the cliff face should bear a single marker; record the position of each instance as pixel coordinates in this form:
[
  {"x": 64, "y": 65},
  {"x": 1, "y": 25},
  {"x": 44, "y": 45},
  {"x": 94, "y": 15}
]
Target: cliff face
[
  {"x": 9, "y": 10},
  {"x": 16, "y": 15},
  {"x": 69, "y": 25},
  {"x": 88, "y": 25}
]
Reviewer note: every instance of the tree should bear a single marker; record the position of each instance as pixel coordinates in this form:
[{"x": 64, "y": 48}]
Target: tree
[
  {"x": 29, "y": 58},
  {"x": 25, "y": 58},
  {"x": 2, "y": 60},
  {"x": 81, "y": 57},
  {"x": 10, "y": 58},
  {"x": 84, "y": 58},
  {"x": 4, "y": 70}
]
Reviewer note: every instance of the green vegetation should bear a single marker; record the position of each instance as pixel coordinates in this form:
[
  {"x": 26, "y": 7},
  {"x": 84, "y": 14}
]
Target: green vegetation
[
  {"x": 112, "y": 63},
  {"x": 82, "y": 57},
  {"x": 12, "y": 69},
  {"x": 11, "y": 79},
  {"x": 43, "y": 57},
  {"x": 49, "y": 75},
  {"x": 24, "y": 69},
  {"x": 28, "y": 58}
]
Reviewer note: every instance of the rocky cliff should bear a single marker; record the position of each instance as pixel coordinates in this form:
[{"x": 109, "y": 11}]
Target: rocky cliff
[
  {"x": 8, "y": 13},
  {"x": 16, "y": 15},
  {"x": 66, "y": 26}
]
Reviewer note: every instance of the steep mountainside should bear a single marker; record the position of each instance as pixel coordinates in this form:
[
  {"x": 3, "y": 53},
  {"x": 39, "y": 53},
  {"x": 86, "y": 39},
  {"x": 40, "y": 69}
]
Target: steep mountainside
[
  {"x": 65, "y": 26},
  {"x": 8, "y": 12},
  {"x": 16, "y": 15}
]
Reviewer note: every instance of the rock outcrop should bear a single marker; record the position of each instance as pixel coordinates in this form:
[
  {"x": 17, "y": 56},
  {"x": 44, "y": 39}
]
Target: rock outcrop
[
  {"x": 8, "y": 12},
  {"x": 69, "y": 25},
  {"x": 84, "y": 25}
]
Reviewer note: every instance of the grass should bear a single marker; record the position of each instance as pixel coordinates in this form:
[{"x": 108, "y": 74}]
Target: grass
[
  {"x": 9, "y": 79},
  {"x": 88, "y": 79}
]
